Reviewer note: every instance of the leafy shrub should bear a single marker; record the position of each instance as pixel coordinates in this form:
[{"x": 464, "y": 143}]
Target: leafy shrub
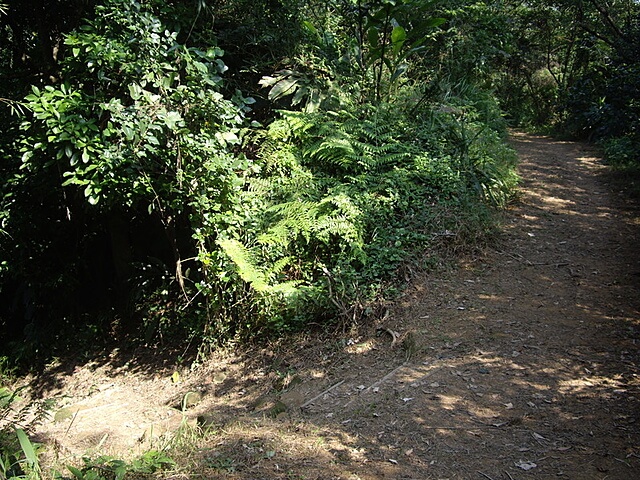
[
  {"x": 110, "y": 468},
  {"x": 136, "y": 136},
  {"x": 342, "y": 199},
  {"x": 18, "y": 456},
  {"x": 208, "y": 226},
  {"x": 623, "y": 152}
]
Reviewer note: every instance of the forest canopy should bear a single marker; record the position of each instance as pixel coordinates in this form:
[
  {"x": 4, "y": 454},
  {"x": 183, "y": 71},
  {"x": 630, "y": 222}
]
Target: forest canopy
[{"x": 210, "y": 170}]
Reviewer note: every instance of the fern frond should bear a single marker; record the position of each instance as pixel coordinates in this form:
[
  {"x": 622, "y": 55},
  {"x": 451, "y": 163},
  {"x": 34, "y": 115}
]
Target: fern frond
[
  {"x": 247, "y": 270},
  {"x": 336, "y": 149},
  {"x": 295, "y": 219},
  {"x": 259, "y": 278},
  {"x": 341, "y": 220},
  {"x": 292, "y": 124}
]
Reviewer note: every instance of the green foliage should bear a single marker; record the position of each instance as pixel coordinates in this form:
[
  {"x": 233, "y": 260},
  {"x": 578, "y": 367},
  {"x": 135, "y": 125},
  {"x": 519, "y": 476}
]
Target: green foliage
[
  {"x": 343, "y": 199},
  {"x": 16, "y": 108},
  {"x": 362, "y": 55},
  {"x": 18, "y": 455},
  {"x": 18, "y": 461},
  {"x": 571, "y": 67},
  {"x": 623, "y": 153},
  {"x": 110, "y": 468},
  {"x": 147, "y": 179},
  {"x": 258, "y": 278},
  {"x": 142, "y": 110},
  {"x": 137, "y": 128},
  {"x": 474, "y": 42}
]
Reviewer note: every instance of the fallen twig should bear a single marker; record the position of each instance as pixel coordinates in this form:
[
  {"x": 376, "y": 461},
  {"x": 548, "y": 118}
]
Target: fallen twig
[
  {"x": 394, "y": 335},
  {"x": 308, "y": 402},
  {"x": 520, "y": 258},
  {"x": 385, "y": 377},
  {"x": 485, "y": 475},
  {"x": 432, "y": 427},
  {"x": 373, "y": 385}
]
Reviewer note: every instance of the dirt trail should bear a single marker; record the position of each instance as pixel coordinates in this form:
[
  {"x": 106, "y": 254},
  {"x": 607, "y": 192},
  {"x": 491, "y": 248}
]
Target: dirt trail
[{"x": 523, "y": 363}]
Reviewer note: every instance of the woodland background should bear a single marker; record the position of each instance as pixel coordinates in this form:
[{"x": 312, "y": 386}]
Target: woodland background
[{"x": 200, "y": 171}]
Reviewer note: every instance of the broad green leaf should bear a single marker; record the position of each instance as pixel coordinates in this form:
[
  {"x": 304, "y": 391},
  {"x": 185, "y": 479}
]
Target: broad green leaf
[
  {"x": 76, "y": 472},
  {"x": 173, "y": 119},
  {"x": 201, "y": 67},
  {"x": 310, "y": 28},
  {"x": 314, "y": 101},
  {"x": 398, "y": 37},
  {"x": 435, "y": 21},
  {"x": 167, "y": 81},
  {"x": 221, "y": 66},
  {"x": 267, "y": 81},
  {"x": 135, "y": 92},
  {"x": 27, "y": 448},
  {"x": 286, "y": 86},
  {"x": 121, "y": 471},
  {"x": 400, "y": 70},
  {"x": 372, "y": 36},
  {"x": 299, "y": 95},
  {"x": 228, "y": 137},
  {"x": 128, "y": 132}
]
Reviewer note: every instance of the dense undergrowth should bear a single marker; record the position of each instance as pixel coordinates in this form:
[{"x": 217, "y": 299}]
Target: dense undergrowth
[
  {"x": 342, "y": 199},
  {"x": 194, "y": 173},
  {"x": 162, "y": 210}
]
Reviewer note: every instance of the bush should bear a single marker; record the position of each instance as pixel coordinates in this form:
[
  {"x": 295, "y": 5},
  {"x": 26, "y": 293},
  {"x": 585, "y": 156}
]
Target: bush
[
  {"x": 623, "y": 152},
  {"x": 341, "y": 200},
  {"x": 18, "y": 456},
  {"x": 157, "y": 204}
]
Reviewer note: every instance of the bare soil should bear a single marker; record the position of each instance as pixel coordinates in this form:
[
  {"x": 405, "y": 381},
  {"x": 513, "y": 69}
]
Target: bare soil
[{"x": 521, "y": 362}]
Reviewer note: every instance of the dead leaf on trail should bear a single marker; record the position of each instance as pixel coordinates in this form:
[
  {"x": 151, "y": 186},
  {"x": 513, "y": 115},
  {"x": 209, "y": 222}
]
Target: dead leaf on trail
[{"x": 525, "y": 465}]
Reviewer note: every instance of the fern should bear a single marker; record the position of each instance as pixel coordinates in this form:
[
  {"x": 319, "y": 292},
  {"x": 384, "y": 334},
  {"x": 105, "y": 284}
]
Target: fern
[
  {"x": 332, "y": 220},
  {"x": 296, "y": 219},
  {"x": 292, "y": 125},
  {"x": 259, "y": 278},
  {"x": 343, "y": 143},
  {"x": 335, "y": 148},
  {"x": 339, "y": 200},
  {"x": 342, "y": 220}
]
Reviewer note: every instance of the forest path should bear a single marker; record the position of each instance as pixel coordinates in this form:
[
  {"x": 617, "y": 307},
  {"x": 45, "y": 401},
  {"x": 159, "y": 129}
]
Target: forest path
[{"x": 523, "y": 363}]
